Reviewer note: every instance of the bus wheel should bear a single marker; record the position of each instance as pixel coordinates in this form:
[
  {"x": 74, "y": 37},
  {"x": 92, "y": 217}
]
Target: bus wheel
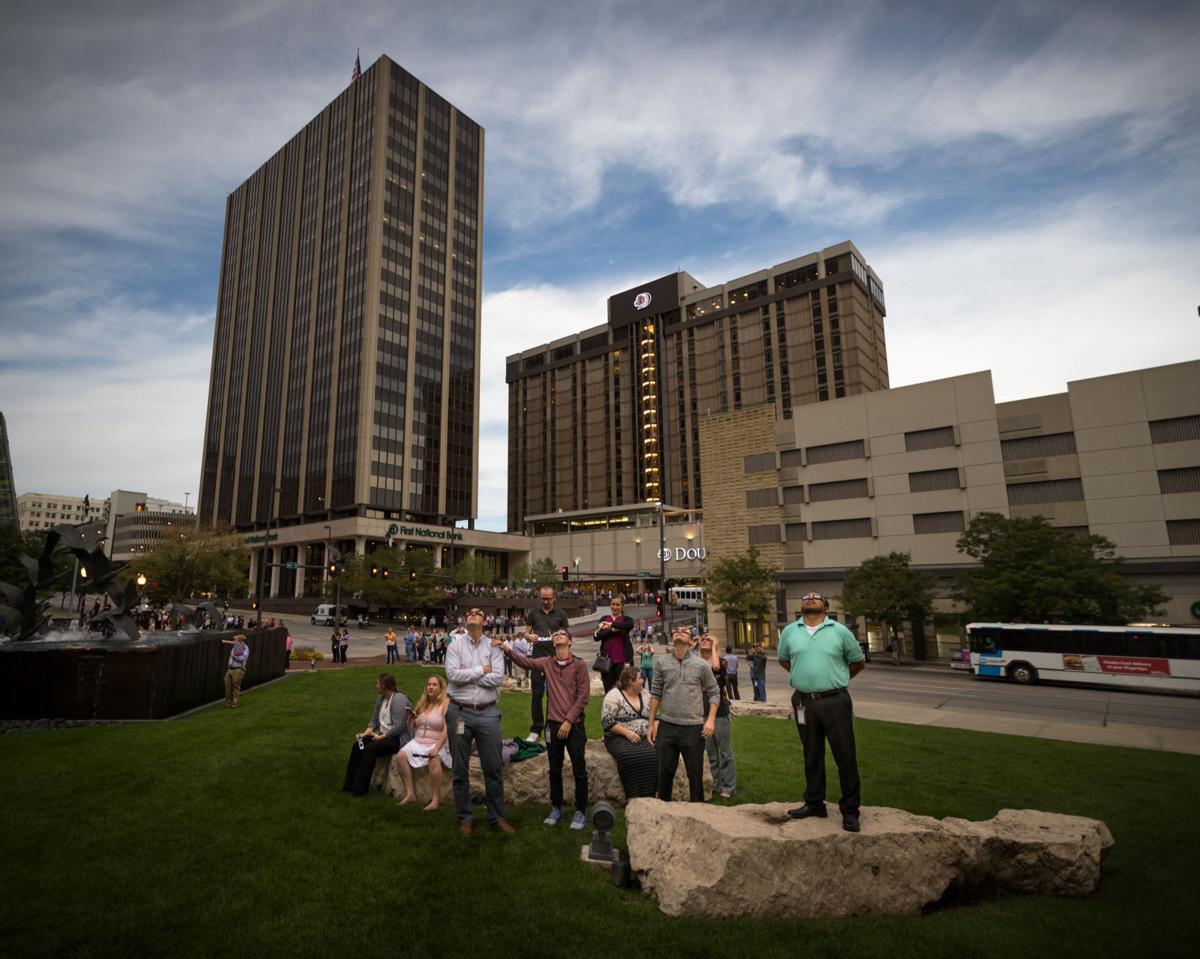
[{"x": 1022, "y": 673}]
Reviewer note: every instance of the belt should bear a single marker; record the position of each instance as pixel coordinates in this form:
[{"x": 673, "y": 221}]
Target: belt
[
  {"x": 823, "y": 693},
  {"x": 478, "y": 707}
]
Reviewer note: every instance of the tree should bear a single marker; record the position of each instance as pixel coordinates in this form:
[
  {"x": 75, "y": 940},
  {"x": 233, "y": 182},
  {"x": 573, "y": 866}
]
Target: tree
[
  {"x": 742, "y": 586},
  {"x": 14, "y": 543},
  {"x": 200, "y": 559},
  {"x": 542, "y": 573},
  {"x": 400, "y": 589},
  {"x": 1030, "y": 572},
  {"x": 886, "y": 589},
  {"x": 474, "y": 571}
]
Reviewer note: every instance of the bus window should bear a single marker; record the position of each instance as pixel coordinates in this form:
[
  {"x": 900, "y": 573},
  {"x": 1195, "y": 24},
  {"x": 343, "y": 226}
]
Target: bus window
[{"x": 982, "y": 642}]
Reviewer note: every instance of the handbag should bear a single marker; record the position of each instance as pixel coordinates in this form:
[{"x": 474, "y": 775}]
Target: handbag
[{"x": 602, "y": 663}]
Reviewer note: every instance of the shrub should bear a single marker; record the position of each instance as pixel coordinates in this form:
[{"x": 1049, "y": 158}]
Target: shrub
[{"x": 306, "y": 653}]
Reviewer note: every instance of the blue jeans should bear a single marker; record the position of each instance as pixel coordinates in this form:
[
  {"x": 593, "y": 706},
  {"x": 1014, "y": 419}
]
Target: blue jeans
[
  {"x": 760, "y": 690},
  {"x": 648, "y": 676},
  {"x": 482, "y": 726}
]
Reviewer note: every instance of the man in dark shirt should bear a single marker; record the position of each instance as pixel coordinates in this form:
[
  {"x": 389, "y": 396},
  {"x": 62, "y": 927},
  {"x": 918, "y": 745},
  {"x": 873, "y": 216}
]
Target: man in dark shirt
[{"x": 540, "y": 624}]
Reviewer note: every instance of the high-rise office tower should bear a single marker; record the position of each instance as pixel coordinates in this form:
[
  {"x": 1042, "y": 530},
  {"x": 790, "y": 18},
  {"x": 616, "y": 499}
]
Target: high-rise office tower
[
  {"x": 8, "y": 492},
  {"x": 345, "y": 370},
  {"x": 610, "y": 416}
]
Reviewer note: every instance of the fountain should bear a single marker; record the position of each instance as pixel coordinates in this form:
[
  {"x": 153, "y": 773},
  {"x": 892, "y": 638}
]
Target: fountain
[{"x": 112, "y": 671}]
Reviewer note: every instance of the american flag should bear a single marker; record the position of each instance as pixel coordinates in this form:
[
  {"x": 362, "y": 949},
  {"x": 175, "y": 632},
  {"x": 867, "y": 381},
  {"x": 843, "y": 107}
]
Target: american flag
[{"x": 357, "y": 68}]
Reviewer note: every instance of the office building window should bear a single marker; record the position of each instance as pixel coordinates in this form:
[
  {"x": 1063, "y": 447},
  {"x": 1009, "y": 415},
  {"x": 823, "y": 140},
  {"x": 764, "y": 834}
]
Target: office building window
[
  {"x": 1183, "y": 532},
  {"x": 1030, "y": 447},
  {"x": 761, "y": 535},
  {"x": 762, "y": 497},
  {"x": 1186, "y": 479},
  {"x": 1175, "y": 430},
  {"x": 835, "y": 452},
  {"x": 760, "y": 462},
  {"x": 860, "y": 528},
  {"x": 841, "y": 489},
  {"x": 1045, "y": 491},
  {"x": 933, "y": 439},
  {"x": 949, "y": 522},
  {"x": 928, "y": 480}
]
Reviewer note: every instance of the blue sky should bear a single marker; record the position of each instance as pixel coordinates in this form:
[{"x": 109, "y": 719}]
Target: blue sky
[{"x": 1025, "y": 178}]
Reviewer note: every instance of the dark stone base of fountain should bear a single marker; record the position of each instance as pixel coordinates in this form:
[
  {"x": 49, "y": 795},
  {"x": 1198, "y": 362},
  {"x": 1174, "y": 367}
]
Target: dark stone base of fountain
[{"x": 158, "y": 676}]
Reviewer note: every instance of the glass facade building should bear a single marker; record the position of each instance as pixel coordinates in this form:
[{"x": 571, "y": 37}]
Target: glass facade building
[{"x": 345, "y": 370}]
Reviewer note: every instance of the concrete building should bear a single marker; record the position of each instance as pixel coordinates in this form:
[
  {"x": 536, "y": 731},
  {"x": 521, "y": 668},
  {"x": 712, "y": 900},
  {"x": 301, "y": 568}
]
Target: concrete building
[
  {"x": 8, "y": 490},
  {"x": 609, "y": 417},
  {"x": 906, "y": 469},
  {"x": 344, "y": 393},
  {"x": 41, "y": 511},
  {"x": 137, "y": 523}
]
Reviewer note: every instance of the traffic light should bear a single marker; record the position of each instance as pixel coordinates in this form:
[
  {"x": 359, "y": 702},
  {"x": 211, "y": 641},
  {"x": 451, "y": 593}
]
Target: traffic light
[
  {"x": 658, "y": 604},
  {"x": 386, "y": 572},
  {"x": 564, "y": 572},
  {"x": 374, "y": 570},
  {"x": 412, "y": 575}
]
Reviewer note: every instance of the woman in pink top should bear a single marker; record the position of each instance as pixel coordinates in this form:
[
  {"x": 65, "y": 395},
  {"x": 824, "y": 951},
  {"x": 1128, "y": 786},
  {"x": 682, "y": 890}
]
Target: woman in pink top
[{"x": 428, "y": 745}]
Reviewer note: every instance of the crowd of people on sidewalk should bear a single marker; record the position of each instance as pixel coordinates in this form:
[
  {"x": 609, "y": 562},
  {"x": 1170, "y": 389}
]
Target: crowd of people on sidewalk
[{"x": 683, "y": 715}]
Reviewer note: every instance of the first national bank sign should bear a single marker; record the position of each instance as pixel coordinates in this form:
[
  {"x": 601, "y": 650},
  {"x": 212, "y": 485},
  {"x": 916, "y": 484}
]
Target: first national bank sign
[{"x": 681, "y": 553}]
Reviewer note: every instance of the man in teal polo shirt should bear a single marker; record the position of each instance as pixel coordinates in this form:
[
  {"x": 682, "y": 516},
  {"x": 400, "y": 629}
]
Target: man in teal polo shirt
[{"x": 820, "y": 655}]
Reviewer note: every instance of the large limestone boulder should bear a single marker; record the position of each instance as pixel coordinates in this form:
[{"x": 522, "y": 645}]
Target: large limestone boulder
[
  {"x": 528, "y": 782},
  {"x": 747, "y": 707},
  {"x": 752, "y": 860}
]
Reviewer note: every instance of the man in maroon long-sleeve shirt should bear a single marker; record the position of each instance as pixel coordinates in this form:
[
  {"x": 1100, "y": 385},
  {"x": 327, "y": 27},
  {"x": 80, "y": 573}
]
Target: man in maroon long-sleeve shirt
[{"x": 569, "y": 685}]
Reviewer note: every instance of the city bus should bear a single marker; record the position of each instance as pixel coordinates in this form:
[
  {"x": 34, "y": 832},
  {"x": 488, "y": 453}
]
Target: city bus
[
  {"x": 687, "y": 597},
  {"x": 1145, "y": 657}
]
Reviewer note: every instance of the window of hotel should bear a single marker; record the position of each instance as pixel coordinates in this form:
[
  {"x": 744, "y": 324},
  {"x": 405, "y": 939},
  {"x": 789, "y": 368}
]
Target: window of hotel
[
  {"x": 860, "y": 528},
  {"x": 751, "y": 292},
  {"x": 1175, "y": 430},
  {"x": 797, "y": 277},
  {"x": 841, "y": 489},
  {"x": 926, "y": 481},
  {"x": 1045, "y": 491},
  {"x": 931, "y": 439},
  {"x": 1029, "y": 447},
  {"x": 835, "y": 452},
  {"x": 949, "y": 522},
  {"x": 1186, "y": 479},
  {"x": 793, "y": 495},
  {"x": 791, "y": 458},
  {"x": 795, "y": 532},
  {"x": 762, "y": 497},
  {"x": 564, "y": 352}
]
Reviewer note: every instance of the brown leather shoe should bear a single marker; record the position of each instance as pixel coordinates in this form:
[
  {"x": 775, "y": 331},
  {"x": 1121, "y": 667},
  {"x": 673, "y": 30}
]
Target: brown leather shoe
[
  {"x": 466, "y": 827},
  {"x": 504, "y": 826}
]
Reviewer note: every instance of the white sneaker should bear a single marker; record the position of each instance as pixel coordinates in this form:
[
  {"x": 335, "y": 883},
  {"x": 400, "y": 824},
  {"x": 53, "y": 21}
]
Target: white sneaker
[
  {"x": 555, "y": 818},
  {"x": 579, "y": 820},
  {"x": 532, "y": 738}
]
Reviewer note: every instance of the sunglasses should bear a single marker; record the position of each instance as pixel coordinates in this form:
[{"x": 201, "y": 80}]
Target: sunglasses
[{"x": 817, "y": 596}]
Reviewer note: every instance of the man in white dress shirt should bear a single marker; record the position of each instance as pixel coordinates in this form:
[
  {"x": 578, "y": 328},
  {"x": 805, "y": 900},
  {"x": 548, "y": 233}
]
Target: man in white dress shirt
[{"x": 475, "y": 672}]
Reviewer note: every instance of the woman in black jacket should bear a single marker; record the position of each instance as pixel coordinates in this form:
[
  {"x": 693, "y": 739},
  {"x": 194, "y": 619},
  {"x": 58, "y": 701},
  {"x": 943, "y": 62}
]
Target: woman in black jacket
[{"x": 613, "y": 633}]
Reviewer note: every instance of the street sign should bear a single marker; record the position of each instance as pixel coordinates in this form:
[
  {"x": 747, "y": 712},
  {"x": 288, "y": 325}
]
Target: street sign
[
  {"x": 643, "y": 575},
  {"x": 291, "y": 565}
]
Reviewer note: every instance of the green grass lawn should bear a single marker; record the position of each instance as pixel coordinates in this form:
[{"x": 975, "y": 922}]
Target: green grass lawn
[{"x": 225, "y": 833}]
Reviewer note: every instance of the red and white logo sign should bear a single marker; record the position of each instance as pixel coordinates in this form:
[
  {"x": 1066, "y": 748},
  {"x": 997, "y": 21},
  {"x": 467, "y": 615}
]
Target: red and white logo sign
[{"x": 641, "y": 301}]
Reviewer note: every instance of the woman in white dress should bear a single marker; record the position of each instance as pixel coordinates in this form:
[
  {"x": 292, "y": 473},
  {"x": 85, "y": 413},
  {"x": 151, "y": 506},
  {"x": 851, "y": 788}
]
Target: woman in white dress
[{"x": 428, "y": 746}]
